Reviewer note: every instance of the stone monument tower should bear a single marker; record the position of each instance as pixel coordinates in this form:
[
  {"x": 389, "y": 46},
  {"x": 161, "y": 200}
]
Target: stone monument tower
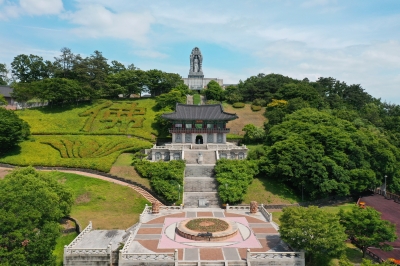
[
  {"x": 196, "y": 64},
  {"x": 196, "y": 80}
]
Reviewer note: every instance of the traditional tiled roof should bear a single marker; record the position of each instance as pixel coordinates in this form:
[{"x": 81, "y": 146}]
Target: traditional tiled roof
[
  {"x": 5, "y": 91},
  {"x": 199, "y": 112}
]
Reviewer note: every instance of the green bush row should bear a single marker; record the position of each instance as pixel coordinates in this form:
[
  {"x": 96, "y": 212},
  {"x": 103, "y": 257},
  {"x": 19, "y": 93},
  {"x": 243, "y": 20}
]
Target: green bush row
[
  {"x": 166, "y": 178},
  {"x": 234, "y": 177}
]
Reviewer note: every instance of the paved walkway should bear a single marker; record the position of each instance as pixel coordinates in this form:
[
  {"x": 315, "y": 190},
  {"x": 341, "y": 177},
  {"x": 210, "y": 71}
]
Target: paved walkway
[
  {"x": 158, "y": 235},
  {"x": 141, "y": 191}
]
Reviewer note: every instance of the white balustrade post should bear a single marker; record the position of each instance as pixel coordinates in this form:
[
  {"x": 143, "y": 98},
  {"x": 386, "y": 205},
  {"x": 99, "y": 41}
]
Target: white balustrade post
[
  {"x": 248, "y": 255},
  {"x": 226, "y": 207},
  {"x": 176, "y": 257}
]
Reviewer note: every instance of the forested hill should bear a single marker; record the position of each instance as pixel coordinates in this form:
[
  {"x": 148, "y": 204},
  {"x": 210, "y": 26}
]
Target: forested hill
[{"x": 324, "y": 137}]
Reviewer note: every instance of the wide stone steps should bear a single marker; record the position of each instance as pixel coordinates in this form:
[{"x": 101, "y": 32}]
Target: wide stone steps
[
  {"x": 191, "y": 199},
  {"x": 200, "y": 184},
  {"x": 192, "y": 157},
  {"x": 199, "y": 171}
]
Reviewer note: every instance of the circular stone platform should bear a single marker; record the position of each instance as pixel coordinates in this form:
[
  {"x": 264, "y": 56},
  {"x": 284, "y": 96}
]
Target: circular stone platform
[{"x": 208, "y": 231}]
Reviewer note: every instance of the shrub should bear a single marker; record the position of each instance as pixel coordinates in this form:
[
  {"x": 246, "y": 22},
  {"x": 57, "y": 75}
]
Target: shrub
[
  {"x": 234, "y": 177},
  {"x": 238, "y": 105},
  {"x": 255, "y": 108},
  {"x": 260, "y": 102},
  {"x": 213, "y": 102},
  {"x": 164, "y": 176}
]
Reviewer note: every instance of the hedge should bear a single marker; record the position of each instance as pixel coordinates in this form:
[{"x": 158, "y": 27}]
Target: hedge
[
  {"x": 238, "y": 105},
  {"x": 255, "y": 108}
]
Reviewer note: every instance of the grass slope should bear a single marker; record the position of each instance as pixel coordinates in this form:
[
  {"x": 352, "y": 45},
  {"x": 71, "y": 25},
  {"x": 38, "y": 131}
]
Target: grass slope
[
  {"x": 67, "y": 120},
  {"x": 107, "y": 205},
  {"x": 35, "y": 152},
  {"x": 246, "y": 116},
  {"x": 269, "y": 192},
  {"x": 123, "y": 168}
]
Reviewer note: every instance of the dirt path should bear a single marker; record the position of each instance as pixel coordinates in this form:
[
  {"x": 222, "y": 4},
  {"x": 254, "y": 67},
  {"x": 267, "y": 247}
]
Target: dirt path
[{"x": 144, "y": 193}]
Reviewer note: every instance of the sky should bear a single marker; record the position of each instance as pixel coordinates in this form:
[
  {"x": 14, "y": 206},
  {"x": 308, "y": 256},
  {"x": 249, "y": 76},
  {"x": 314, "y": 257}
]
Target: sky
[{"x": 355, "y": 41}]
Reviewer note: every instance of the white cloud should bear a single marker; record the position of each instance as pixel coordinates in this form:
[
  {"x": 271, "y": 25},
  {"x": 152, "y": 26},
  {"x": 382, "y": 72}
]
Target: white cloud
[
  {"x": 30, "y": 7},
  {"x": 42, "y": 7},
  {"x": 96, "y": 21}
]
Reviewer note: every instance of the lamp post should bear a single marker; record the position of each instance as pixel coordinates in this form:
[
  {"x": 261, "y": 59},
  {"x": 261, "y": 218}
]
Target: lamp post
[{"x": 385, "y": 185}]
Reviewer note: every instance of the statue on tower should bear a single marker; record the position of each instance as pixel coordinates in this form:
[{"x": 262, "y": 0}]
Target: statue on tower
[{"x": 196, "y": 61}]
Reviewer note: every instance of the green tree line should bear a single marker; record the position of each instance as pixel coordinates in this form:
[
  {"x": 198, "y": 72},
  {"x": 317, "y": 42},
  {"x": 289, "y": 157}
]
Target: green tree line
[{"x": 71, "y": 77}]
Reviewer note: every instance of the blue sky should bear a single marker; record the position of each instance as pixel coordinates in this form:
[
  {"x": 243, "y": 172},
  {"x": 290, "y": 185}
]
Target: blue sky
[{"x": 353, "y": 41}]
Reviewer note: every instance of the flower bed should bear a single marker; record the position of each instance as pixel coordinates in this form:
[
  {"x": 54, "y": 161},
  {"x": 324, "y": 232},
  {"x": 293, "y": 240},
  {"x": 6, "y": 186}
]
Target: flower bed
[{"x": 207, "y": 225}]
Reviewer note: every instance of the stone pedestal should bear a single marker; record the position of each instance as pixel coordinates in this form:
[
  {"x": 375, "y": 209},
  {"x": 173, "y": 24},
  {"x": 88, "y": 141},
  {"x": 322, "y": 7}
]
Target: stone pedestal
[
  {"x": 155, "y": 208},
  {"x": 253, "y": 207}
]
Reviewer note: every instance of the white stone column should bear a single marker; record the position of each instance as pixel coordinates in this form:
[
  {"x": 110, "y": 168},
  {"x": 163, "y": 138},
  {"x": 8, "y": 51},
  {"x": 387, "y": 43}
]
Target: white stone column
[
  {"x": 183, "y": 138},
  {"x": 173, "y": 137},
  {"x": 224, "y": 138}
]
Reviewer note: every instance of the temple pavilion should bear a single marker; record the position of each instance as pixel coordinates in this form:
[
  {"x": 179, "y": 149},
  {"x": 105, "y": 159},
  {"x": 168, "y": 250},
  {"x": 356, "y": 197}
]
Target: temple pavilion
[
  {"x": 198, "y": 127},
  {"x": 199, "y": 124}
]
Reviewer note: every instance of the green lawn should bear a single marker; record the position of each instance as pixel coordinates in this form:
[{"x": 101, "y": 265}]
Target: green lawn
[
  {"x": 59, "y": 249},
  {"x": 93, "y": 152},
  {"x": 268, "y": 191},
  {"x": 107, "y": 205},
  {"x": 196, "y": 99},
  {"x": 123, "y": 168}
]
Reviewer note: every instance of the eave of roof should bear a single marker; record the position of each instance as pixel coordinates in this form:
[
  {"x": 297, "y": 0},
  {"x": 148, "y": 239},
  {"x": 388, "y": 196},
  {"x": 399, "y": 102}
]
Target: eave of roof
[{"x": 199, "y": 112}]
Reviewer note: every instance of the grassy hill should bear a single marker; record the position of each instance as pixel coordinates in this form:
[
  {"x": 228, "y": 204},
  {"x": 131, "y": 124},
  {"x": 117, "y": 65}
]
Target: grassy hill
[
  {"x": 85, "y": 135},
  {"x": 246, "y": 116}
]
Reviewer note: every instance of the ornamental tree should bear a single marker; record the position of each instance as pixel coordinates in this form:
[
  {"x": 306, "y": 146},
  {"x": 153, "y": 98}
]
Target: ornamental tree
[
  {"x": 12, "y": 130},
  {"x": 31, "y": 203},
  {"x": 313, "y": 230},
  {"x": 367, "y": 228}
]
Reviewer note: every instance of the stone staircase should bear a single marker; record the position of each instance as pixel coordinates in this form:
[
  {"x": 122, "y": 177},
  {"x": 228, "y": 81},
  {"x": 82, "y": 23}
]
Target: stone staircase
[
  {"x": 209, "y": 157},
  {"x": 200, "y": 184}
]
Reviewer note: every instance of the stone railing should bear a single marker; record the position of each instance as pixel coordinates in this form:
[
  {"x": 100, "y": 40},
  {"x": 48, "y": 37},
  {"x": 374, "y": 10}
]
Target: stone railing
[
  {"x": 225, "y": 147},
  {"x": 199, "y": 130},
  {"x": 267, "y": 215},
  {"x": 387, "y": 195},
  {"x": 149, "y": 257},
  {"x": 80, "y": 236},
  {"x": 87, "y": 251},
  {"x": 171, "y": 208},
  {"x": 277, "y": 258},
  {"x": 132, "y": 236}
]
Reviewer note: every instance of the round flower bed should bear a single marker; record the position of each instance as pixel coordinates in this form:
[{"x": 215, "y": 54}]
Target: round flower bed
[{"x": 207, "y": 225}]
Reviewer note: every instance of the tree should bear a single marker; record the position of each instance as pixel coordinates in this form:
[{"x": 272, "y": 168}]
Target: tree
[
  {"x": 4, "y": 79},
  {"x": 253, "y": 134},
  {"x": 366, "y": 227},
  {"x": 12, "y": 130},
  {"x": 130, "y": 81},
  {"x": 326, "y": 155},
  {"x": 169, "y": 100},
  {"x": 313, "y": 230},
  {"x": 2, "y": 100},
  {"x": 117, "y": 67},
  {"x": 159, "y": 82},
  {"x": 30, "y": 68},
  {"x": 64, "y": 64},
  {"x": 59, "y": 90},
  {"x": 232, "y": 94},
  {"x": 214, "y": 91},
  {"x": 234, "y": 177},
  {"x": 92, "y": 73},
  {"x": 31, "y": 205}
]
